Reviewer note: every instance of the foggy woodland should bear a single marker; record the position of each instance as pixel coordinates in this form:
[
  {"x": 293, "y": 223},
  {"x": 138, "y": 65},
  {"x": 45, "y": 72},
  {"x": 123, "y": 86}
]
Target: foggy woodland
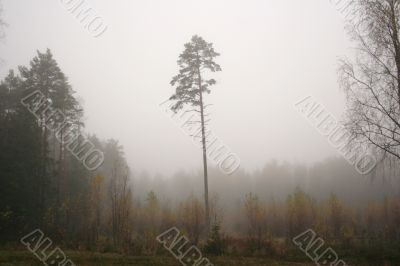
[{"x": 196, "y": 180}]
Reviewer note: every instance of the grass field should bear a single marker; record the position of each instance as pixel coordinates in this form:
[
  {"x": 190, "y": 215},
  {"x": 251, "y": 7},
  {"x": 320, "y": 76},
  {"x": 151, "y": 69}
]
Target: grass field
[
  {"x": 83, "y": 258},
  {"x": 24, "y": 258}
]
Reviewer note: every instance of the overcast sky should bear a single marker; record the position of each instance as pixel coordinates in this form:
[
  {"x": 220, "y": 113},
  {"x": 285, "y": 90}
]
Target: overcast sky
[{"x": 273, "y": 53}]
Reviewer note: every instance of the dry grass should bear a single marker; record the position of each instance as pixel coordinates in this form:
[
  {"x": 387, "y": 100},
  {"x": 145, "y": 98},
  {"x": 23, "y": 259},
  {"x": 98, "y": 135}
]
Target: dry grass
[{"x": 24, "y": 258}]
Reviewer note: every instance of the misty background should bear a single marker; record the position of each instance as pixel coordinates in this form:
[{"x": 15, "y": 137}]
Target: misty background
[
  {"x": 273, "y": 54},
  {"x": 110, "y": 93}
]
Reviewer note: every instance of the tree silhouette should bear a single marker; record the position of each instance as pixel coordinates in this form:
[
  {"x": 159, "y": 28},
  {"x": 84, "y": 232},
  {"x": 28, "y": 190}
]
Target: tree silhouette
[
  {"x": 197, "y": 57},
  {"x": 372, "y": 81}
]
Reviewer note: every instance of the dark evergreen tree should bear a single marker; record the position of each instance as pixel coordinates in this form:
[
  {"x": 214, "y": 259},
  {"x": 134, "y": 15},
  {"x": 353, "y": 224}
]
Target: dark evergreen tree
[
  {"x": 215, "y": 243},
  {"x": 191, "y": 86},
  {"x": 20, "y": 203}
]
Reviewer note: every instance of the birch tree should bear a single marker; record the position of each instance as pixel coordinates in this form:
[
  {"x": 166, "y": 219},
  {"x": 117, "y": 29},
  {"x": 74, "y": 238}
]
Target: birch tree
[{"x": 372, "y": 80}]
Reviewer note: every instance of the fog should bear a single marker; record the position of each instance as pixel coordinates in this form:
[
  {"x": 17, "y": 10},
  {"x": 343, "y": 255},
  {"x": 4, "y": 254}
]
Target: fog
[
  {"x": 273, "y": 54},
  {"x": 202, "y": 132}
]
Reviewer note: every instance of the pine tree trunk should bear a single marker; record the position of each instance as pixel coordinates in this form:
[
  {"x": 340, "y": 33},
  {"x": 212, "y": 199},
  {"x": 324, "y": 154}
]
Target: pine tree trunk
[{"x": 204, "y": 144}]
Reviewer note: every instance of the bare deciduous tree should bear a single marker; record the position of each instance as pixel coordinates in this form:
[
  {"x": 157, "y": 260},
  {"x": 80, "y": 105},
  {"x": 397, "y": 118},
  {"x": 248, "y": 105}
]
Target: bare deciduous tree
[
  {"x": 121, "y": 198},
  {"x": 372, "y": 80}
]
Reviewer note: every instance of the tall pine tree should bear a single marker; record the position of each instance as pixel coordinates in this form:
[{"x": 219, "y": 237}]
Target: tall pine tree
[{"x": 191, "y": 86}]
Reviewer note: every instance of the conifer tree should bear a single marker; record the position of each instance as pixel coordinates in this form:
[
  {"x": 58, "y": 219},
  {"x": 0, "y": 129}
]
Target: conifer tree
[{"x": 191, "y": 86}]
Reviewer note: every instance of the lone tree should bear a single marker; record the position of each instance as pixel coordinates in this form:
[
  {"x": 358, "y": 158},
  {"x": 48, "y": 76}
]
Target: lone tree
[
  {"x": 191, "y": 85},
  {"x": 372, "y": 81}
]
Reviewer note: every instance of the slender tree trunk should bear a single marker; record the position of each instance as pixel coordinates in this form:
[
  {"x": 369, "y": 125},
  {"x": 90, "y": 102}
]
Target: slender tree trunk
[
  {"x": 43, "y": 170},
  {"x": 396, "y": 44},
  {"x": 203, "y": 140}
]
